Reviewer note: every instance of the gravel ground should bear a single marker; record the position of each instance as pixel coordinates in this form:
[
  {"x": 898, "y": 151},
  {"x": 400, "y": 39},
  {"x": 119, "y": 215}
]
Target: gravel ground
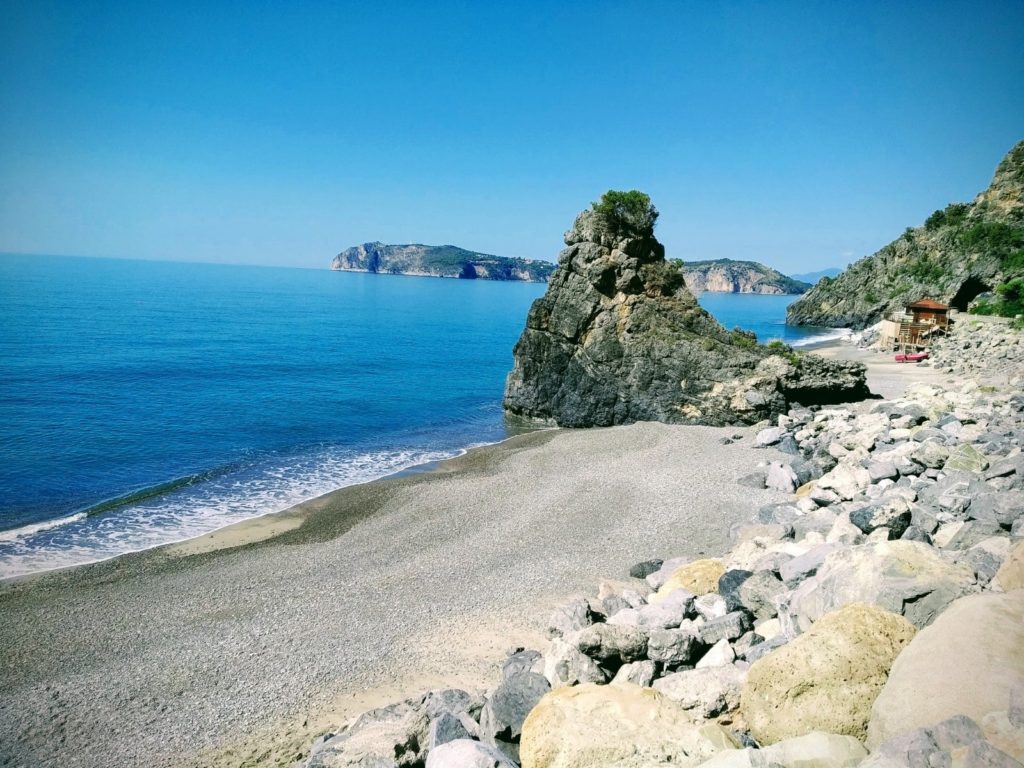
[{"x": 239, "y": 656}]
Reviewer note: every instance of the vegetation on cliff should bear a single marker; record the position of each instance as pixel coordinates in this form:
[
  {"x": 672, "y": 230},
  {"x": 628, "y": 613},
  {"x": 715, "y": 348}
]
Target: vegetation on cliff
[
  {"x": 960, "y": 252},
  {"x": 439, "y": 261}
]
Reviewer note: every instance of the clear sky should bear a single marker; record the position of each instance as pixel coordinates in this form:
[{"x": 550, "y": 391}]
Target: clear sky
[{"x": 801, "y": 135}]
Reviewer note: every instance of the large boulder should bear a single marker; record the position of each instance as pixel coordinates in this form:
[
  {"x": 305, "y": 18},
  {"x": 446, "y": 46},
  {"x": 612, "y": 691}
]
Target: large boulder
[
  {"x": 465, "y": 753},
  {"x": 1010, "y": 575},
  {"x": 815, "y": 750},
  {"x": 615, "y": 725},
  {"x": 826, "y": 679},
  {"x": 619, "y": 338},
  {"x": 705, "y": 692},
  {"x": 958, "y": 741},
  {"x": 905, "y": 577},
  {"x": 507, "y": 706},
  {"x": 968, "y": 662},
  {"x": 389, "y": 737}
]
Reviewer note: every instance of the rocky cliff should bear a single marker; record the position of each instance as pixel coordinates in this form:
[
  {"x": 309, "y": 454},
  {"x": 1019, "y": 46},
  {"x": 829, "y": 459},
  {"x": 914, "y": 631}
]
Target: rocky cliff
[
  {"x": 618, "y": 338},
  {"x": 958, "y": 253},
  {"x": 439, "y": 261},
  {"x": 728, "y": 276}
]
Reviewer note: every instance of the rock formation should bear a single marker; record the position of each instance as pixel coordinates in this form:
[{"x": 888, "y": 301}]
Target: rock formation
[
  {"x": 728, "y": 276},
  {"x": 618, "y": 338},
  {"x": 439, "y": 261},
  {"x": 960, "y": 252}
]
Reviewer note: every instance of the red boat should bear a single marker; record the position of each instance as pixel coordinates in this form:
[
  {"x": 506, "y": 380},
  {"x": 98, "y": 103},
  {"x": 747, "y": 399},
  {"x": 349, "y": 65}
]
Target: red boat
[{"x": 911, "y": 357}]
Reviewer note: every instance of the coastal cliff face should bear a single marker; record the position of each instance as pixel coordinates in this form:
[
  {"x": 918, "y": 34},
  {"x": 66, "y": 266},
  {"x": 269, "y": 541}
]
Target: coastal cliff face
[
  {"x": 439, "y": 261},
  {"x": 960, "y": 252},
  {"x": 618, "y": 338},
  {"x": 728, "y": 276}
]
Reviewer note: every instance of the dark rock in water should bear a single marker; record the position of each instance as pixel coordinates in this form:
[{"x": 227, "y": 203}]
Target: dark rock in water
[
  {"x": 618, "y": 338},
  {"x": 645, "y": 569}
]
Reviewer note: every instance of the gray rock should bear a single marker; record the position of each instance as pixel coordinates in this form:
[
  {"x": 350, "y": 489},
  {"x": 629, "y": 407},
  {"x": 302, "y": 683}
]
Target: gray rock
[
  {"x": 501, "y": 722},
  {"x": 729, "y": 627},
  {"x": 565, "y": 664},
  {"x": 1006, "y": 467},
  {"x": 444, "y": 728},
  {"x": 806, "y": 565},
  {"x": 706, "y": 692},
  {"x": 756, "y": 479},
  {"x": 931, "y": 454},
  {"x": 611, "y": 645},
  {"x": 756, "y": 595},
  {"x": 711, "y": 606},
  {"x": 571, "y": 617},
  {"x": 769, "y": 436},
  {"x": 646, "y": 568},
  {"x": 640, "y": 673},
  {"x": 618, "y": 332},
  {"x": 882, "y": 470},
  {"x": 451, "y": 700},
  {"x": 729, "y": 584},
  {"x": 759, "y": 650},
  {"x": 1001, "y": 508},
  {"x": 973, "y": 532},
  {"x": 892, "y": 514},
  {"x": 674, "y": 647},
  {"x": 388, "y": 737},
  {"x": 781, "y": 477},
  {"x": 904, "y": 577},
  {"x": 520, "y": 662},
  {"x": 464, "y": 753}
]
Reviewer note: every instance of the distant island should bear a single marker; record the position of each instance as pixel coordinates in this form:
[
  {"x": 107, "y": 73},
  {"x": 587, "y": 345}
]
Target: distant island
[
  {"x": 814, "y": 277},
  {"x": 729, "y": 276},
  {"x": 439, "y": 261}
]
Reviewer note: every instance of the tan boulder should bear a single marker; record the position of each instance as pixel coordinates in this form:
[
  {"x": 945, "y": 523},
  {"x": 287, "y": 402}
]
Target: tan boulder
[
  {"x": 1010, "y": 575},
  {"x": 615, "y": 726},
  {"x": 826, "y": 679},
  {"x": 966, "y": 663},
  {"x": 699, "y": 577}
]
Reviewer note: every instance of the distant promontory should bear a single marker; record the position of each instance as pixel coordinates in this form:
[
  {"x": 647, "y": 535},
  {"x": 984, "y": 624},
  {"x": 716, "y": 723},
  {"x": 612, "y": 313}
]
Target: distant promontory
[
  {"x": 439, "y": 261},
  {"x": 729, "y": 276}
]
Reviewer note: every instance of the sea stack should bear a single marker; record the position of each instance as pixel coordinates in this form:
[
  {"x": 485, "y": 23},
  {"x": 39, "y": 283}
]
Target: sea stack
[{"x": 618, "y": 338}]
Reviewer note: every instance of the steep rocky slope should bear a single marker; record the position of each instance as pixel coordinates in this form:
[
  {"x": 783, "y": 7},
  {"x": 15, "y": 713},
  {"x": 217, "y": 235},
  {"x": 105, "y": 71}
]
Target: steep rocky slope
[
  {"x": 728, "y": 276},
  {"x": 961, "y": 251},
  {"x": 439, "y": 261},
  {"x": 618, "y": 338}
]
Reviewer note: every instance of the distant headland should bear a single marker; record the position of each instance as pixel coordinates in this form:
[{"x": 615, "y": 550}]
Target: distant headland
[{"x": 439, "y": 261}]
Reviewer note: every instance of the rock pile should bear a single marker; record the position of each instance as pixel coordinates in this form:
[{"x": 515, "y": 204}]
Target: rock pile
[
  {"x": 987, "y": 348},
  {"x": 880, "y": 608}
]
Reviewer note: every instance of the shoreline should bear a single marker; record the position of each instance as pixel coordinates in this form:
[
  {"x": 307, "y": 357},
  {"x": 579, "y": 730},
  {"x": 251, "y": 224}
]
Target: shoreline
[
  {"x": 270, "y": 525},
  {"x": 254, "y": 639}
]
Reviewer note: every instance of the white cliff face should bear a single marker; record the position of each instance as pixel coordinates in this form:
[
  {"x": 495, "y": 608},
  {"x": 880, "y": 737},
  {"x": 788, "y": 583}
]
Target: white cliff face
[{"x": 726, "y": 276}]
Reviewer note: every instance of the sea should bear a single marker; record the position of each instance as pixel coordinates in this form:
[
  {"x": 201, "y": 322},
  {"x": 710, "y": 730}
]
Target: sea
[{"x": 145, "y": 402}]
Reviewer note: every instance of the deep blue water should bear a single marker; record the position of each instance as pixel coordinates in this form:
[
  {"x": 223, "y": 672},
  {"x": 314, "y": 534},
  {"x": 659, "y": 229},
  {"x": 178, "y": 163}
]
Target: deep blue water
[
  {"x": 246, "y": 389},
  {"x": 764, "y": 315}
]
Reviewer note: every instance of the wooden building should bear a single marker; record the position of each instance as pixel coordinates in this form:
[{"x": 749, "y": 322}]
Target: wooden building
[{"x": 916, "y": 326}]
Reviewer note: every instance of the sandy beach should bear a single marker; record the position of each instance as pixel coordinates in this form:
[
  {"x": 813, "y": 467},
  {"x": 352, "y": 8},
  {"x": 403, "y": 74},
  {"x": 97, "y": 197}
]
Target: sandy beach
[{"x": 239, "y": 647}]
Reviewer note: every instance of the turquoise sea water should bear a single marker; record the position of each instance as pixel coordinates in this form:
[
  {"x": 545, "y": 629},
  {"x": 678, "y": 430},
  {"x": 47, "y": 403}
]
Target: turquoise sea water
[{"x": 198, "y": 395}]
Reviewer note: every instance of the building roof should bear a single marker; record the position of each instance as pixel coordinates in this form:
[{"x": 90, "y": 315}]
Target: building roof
[{"x": 927, "y": 304}]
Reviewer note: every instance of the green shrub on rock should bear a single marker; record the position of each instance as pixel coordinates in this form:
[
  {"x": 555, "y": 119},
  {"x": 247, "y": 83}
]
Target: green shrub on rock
[{"x": 626, "y": 214}]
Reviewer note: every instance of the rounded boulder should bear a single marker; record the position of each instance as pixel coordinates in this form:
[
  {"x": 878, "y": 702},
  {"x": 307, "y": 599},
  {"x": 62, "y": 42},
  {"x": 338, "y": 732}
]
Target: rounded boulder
[
  {"x": 827, "y": 678},
  {"x": 622, "y": 725}
]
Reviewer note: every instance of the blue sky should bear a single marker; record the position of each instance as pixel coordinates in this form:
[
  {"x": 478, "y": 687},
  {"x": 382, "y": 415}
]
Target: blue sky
[{"x": 801, "y": 135}]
